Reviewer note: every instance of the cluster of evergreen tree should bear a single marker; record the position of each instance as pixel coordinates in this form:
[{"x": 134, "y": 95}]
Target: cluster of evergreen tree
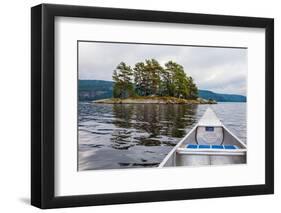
[{"x": 149, "y": 78}]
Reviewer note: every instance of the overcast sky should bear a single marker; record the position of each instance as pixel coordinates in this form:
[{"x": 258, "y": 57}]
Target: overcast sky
[{"x": 222, "y": 70}]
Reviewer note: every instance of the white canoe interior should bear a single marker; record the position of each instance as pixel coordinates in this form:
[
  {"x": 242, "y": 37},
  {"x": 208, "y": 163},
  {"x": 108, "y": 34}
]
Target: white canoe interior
[{"x": 208, "y": 143}]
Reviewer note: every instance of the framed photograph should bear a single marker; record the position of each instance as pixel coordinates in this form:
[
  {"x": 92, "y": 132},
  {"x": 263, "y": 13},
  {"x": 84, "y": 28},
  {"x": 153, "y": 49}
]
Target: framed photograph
[{"x": 139, "y": 106}]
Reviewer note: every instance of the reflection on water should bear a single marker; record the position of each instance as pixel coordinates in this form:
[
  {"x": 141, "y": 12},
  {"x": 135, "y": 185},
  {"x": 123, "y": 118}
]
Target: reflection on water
[{"x": 141, "y": 135}]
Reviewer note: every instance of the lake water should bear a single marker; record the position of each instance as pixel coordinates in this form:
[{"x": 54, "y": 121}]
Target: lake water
[{"x": 141, "y": 135}]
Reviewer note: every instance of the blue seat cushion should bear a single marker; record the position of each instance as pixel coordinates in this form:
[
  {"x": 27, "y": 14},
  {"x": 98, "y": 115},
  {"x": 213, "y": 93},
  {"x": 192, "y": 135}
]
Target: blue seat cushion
[
  {"x": 195, "y": 146},
  {"x": 192, "y": 146},
  {"x": 217, "y": 146},
  {"x": 229, "y": 147},
  {"x": 204, "y": 147}
]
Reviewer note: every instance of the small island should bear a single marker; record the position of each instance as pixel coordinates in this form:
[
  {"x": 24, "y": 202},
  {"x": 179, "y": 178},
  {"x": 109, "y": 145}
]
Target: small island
[
  {"x": 153, "y": 100},
  {"x": 150, "y": 83}
]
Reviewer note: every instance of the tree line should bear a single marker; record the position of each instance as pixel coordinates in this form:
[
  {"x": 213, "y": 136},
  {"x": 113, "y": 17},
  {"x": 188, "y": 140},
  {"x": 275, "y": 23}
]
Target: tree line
[{"x": 149, "y": 78}]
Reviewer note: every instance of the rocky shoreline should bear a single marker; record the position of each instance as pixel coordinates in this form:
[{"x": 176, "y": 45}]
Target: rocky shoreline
[{"x": 154, "y": 100}]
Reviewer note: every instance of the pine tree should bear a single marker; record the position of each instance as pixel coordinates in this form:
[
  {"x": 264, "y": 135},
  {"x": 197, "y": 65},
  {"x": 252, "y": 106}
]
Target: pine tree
[
  {"x": 193, "y": 90},
  {"x": 141, "y": 79},
  {"x": 154, "y": 69},
  {"x": 123, "y": 86},
  {"x": 177, "y": 86}
]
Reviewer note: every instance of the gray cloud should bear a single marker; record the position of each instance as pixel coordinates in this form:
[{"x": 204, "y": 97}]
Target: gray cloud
[{"x": 221, "y": 70}]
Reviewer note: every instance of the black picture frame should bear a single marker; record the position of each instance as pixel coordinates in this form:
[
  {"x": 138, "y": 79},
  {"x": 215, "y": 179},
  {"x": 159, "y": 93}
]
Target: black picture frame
[{"x": 43, "y": 102}]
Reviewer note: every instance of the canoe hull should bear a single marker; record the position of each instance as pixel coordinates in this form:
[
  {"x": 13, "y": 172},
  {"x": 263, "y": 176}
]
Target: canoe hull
[{"x": 182, "y": 157}]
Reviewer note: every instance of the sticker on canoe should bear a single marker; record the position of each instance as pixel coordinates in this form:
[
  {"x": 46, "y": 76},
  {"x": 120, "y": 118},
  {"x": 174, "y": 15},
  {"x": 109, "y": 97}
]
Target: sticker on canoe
[{"x": 209, "y": 129}]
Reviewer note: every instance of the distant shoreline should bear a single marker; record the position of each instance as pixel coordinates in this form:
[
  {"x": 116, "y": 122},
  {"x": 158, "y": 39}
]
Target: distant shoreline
[
  {"x": 153, "y": 100},
  {"x": 90, "y": 90}
]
